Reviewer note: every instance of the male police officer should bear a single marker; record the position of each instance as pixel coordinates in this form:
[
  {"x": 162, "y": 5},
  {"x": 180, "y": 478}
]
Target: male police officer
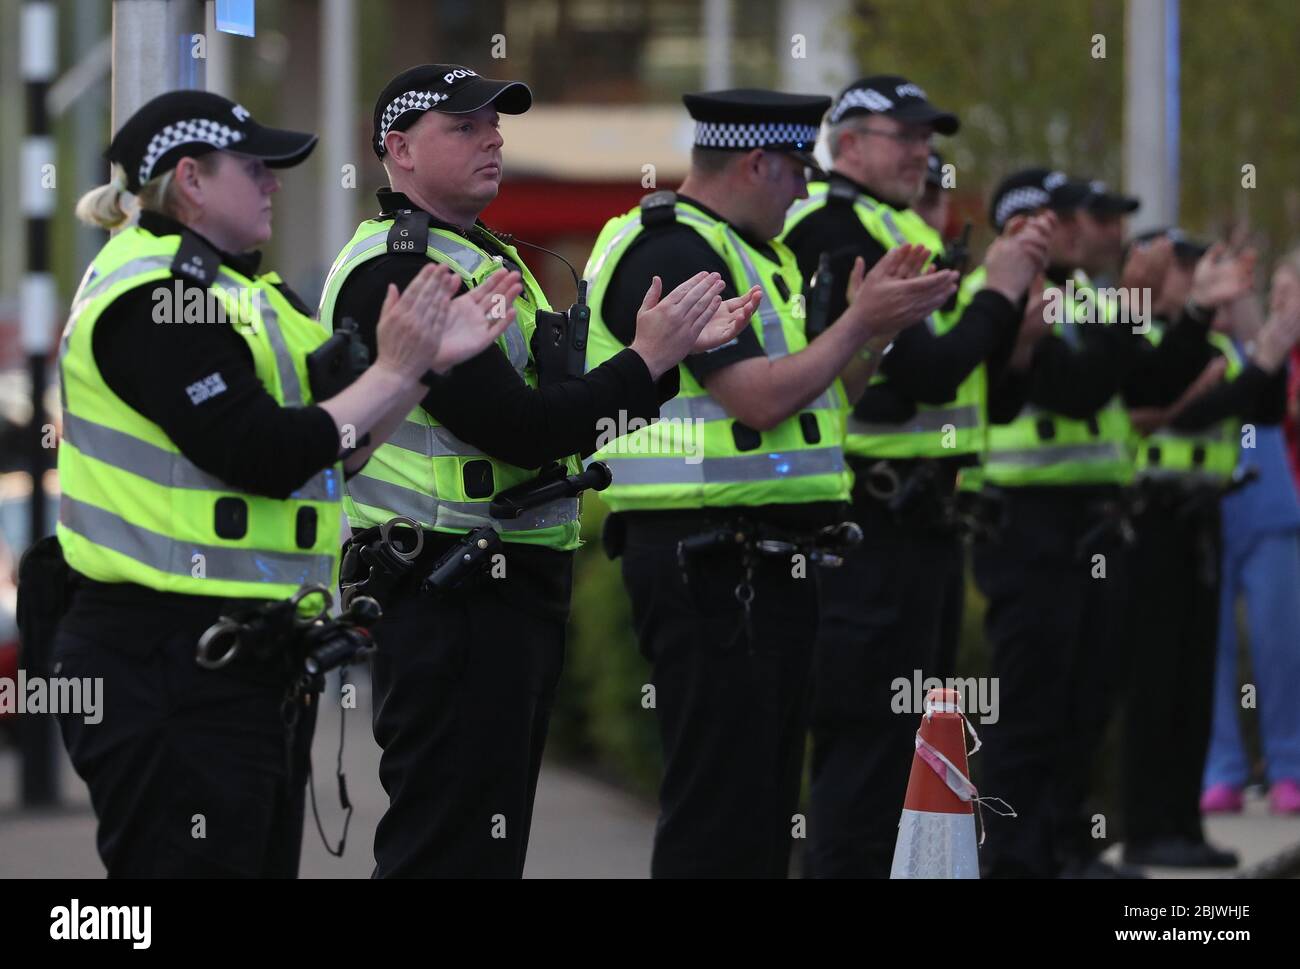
[
  {"x": 464, "y": 678},
  {"x": 717, "y": 550},
  {"x": 1184, "y": 465},
  {"x": 1059, "y": 453},
  {"x": 894, "y": 609}
]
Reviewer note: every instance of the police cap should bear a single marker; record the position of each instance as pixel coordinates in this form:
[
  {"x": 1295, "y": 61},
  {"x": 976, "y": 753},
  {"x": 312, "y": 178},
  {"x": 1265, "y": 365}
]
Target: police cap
[
  {"x": 748, "y": 118},
  {"x": 446, "y": 88},
  {"x": 895, "y": 97}
]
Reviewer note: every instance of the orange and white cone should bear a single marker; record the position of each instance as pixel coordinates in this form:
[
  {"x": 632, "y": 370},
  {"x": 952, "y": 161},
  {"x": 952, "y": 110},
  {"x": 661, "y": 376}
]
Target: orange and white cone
[{"x": 936, "y": 836}]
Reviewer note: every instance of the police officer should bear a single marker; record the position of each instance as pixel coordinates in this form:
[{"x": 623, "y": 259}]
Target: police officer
[
  {"x": 1185, "y": 464},
  {"x": 1101, "y": 231},
  {"x": 464, "y": 677},
  {"x": 894, "y": 610},
  {"x": 1059, "y": 453},
  {"x": 718, "y": 517},
  {"x": 201, "y": 473}
]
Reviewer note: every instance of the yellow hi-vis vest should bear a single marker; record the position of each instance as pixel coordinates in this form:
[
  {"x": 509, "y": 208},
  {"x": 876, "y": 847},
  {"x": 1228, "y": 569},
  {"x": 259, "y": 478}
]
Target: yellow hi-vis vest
[
  {"x": 133, "y": 508},
  {"x": 951, "y": 429},
  {"x": 424, "y": 471},
  {"x": 1042, "y": 448},
  {"x": 1205, "y": 456},
  {"x": 697, "y": 455}
]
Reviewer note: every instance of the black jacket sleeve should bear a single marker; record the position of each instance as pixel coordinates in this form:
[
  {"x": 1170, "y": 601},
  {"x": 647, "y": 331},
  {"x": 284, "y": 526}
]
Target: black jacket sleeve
[
  {"x": 929, "y": 367},
  {"x": 1256, "y": 397},
  {"x": 674, "y": 253},
  {"x": 196, "y": 381},
  {"x": 485, "y": 403}
]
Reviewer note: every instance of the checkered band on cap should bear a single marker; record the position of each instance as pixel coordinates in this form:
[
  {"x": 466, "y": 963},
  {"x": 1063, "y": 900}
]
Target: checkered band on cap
[
  {"x": 1020, "y": 200},
  {"x": 711, "y": 134},
  {"x": 203, "y": 130},
  {"x": 410, "y": 101},
  {"x": 867, "y": 98}
]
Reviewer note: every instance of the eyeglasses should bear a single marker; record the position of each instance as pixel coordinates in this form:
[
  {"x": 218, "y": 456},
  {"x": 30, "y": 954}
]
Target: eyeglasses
[{"x": 913, "y": 138}]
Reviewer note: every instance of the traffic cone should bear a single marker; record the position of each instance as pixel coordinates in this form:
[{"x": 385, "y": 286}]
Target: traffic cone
[{"x": 936, "y": 836}]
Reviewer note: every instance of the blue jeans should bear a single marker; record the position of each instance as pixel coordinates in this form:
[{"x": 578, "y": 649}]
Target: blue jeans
[{"x": 1266, "y": 571}]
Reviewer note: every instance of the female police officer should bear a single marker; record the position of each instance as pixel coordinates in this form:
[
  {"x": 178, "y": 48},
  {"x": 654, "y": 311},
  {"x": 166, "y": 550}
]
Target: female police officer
[{"x": 201, "y": 475}]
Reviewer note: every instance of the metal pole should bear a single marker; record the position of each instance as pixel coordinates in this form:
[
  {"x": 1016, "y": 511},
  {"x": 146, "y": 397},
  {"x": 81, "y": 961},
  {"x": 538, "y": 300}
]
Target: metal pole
[
  {"x": 156, "y": 44},
  {"x": 1150, "y": 158},
  {"x": 38, "y": 302},
  {"x": 717, "y": 44},
  {"x": 220, "y": 76},
  {"x": 338, "y": 77}
]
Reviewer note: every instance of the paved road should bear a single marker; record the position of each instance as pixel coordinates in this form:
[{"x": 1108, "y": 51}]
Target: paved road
[{"x": 581, "y": 827}]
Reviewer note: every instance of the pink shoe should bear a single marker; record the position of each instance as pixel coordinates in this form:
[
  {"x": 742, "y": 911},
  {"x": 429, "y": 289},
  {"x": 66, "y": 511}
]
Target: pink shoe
[
  {"x": 1222, "y": 799},
  {"x": 1284, "y": 797}
]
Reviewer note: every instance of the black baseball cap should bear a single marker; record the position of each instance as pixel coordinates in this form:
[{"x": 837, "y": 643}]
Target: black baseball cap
[
  {"x": 1105, "y": 202},
  {"x": 1031, "y": 189},
  {"x": 446, "y": 88},
  {"x": 743, "y": 119},
  {"x": 1186, "y": 249},
  {"x": 182, "y": 124},
  {"x": 895, "y": 97}
]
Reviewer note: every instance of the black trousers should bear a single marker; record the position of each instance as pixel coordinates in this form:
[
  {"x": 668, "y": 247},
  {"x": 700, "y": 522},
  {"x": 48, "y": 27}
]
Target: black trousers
[
  {"x": 731, "y": 701},
  {"x": 191, "y": 772},
  {"x": 1058, "y": 653},
  {"x": 463, "y": 689},
  {"x": 1171, "y": 635},
  {"x": 892, "y": 609}
]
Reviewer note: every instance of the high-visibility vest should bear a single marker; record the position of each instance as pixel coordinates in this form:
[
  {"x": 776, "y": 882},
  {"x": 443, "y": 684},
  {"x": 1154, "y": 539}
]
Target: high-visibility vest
[
  {"x": 697, "y": 455},
  {"x": 133, "y": 508},
  {"x": 1039, "y": 447},
  {"x": 424, "y": 471},
  {"x": 1207, "y": 455},
  {"x": 950, "y": 429}
]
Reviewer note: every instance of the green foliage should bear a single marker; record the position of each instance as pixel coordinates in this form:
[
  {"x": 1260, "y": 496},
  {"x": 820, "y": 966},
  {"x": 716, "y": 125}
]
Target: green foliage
[
  {"x": 1023, "y": 78},
  {"x": 598, "y": 713}
]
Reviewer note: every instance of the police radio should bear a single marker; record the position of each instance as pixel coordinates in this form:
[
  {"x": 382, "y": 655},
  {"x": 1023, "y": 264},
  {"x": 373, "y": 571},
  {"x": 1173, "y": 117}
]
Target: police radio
[{"x": 560, "y": 342}]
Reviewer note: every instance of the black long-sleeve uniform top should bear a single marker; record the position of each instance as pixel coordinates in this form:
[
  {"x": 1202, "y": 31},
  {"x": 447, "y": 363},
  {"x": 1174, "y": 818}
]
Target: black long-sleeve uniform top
[
  {"x": 675, "y": 252},
  {"x": 1076, "y": 381},
  {"x": 157, "y": 356},
  {"x": 485, "y": 402},
  {"x": 921, "y": 366}
]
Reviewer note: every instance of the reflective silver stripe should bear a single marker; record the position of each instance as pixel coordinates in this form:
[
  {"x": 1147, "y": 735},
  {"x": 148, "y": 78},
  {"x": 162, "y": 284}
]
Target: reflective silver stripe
[
  {"x": 290, "y": 385},
  {"x": 431, "y": 441},
  {"x": 376, "y": 240},
  {"x": 516, "y": 346},
  {"x": 593, "y": 268},
  {"x": 1045, "y": 456},
  {"x": 165, "y": 554},
  {"x": 924, "y": 421},
  {"x": 430, "y": 511},
  {"x": 694, "y": 408},
  {"x": 744, "y": 467},
  {"x": 774, "y": 344},
  {"x": 166, "y": 468},
  {"x": 135, "y": 267},
  {"x": 816, "y": 196},
  {"x": 469, "y": 261},
  {"x": 463, "y": 256},
  {"x": 892, "y": 227}
]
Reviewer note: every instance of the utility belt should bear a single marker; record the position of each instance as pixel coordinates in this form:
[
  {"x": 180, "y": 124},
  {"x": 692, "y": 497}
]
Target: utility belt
[
  {"x": 917, "y": 492},
  {"x": 383, "y": 560},
  {"x": 1190, "y": 499},
  {"x": 280, "y": 635},
  {"x": 757, "y": 544}
]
